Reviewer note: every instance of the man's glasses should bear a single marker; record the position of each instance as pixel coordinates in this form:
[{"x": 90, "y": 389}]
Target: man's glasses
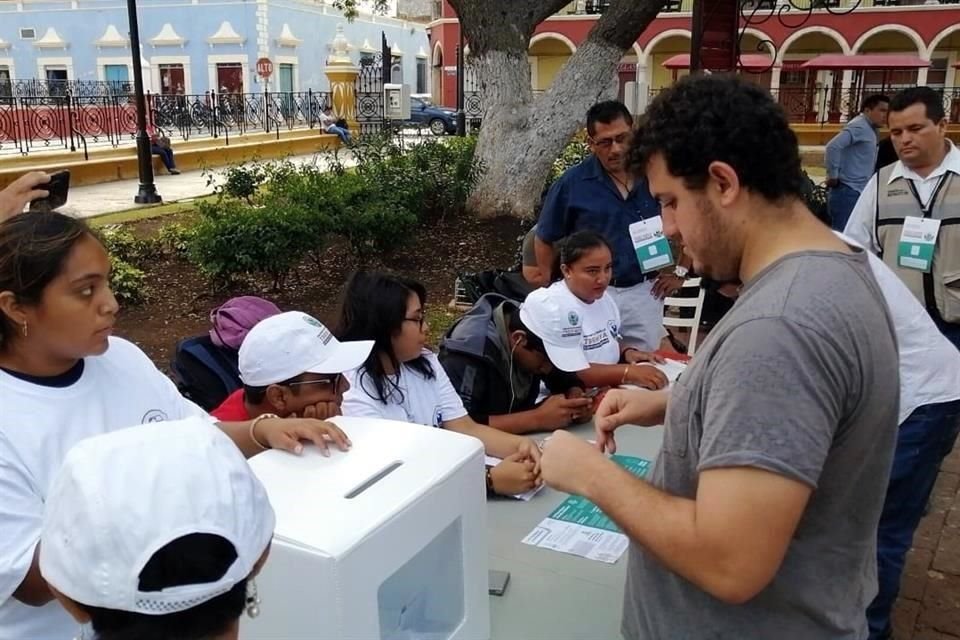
[
  {"x": 333, "y": 381},
  {"x": 606, "y": 143}
]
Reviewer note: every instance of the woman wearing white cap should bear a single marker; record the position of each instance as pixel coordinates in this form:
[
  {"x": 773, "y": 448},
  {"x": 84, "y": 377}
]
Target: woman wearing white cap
[
  {"x": 63, "y": 378},
  {"x": 401, "y": 380},
  {"x": 584, "y": 266},
  {"x": 157, "y": 555}
]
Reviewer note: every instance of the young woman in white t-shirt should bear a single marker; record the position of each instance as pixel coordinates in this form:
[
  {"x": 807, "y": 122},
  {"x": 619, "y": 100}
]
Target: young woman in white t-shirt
[
  {"x": 64, "y": 379},
  {"x": 403, "y": 381},
  {"x": 582, "y": 273}
]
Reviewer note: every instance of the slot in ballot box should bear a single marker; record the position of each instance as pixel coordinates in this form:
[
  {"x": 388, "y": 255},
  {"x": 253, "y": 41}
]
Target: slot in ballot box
[{"x": 385, "y": 542}]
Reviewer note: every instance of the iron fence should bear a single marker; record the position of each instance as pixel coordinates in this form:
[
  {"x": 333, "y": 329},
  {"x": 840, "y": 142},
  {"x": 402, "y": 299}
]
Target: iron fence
[
  {"x": 76, "y": 122},
  {"x": 40, "y": 88},
  {"x": 827, "y": 105}
]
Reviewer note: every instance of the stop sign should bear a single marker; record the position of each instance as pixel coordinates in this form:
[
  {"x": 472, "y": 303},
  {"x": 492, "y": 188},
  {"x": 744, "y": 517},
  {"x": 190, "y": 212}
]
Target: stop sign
[{"x": 264, "y": 67}]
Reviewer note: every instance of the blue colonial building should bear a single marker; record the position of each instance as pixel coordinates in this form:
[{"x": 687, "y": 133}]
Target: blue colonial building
[{"x": 195, "y": 46}]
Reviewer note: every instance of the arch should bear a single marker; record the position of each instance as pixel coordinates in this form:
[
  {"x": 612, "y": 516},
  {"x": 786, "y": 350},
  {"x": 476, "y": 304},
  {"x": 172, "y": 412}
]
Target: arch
[
  {"x": 548, "y": 35},
  {"x": 637, "y": 51},
  {"x": 660, "y": 37},
  {"x": 940, "y": 37},
  {"x": 437, "y": 55},
  {"x": 834, "y": 35},
  {"x": 763, "y": 38},
  {"x": 894, "y": 28}
]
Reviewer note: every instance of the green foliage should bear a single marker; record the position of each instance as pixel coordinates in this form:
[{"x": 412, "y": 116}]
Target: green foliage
[
  {"x": 573, "y": 154},
  {"x": 243, "y": 181},
  {"x": 127, "y": 281},
  {"x": 233, "y": 238},
  {"x": 173, "y": 240},
  {"x": 123, "y": 245}
]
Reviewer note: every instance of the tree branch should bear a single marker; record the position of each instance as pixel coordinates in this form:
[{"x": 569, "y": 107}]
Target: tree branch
[{"x": 505, "y": 25}]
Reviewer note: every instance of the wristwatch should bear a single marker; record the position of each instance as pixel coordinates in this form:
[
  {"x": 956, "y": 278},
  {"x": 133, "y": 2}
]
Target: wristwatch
[{"x": 680, "y": 271}]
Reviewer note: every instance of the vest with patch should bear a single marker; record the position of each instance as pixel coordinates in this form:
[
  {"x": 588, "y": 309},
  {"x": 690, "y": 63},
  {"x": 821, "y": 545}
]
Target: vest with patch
[{"x": 938, "y": 290}]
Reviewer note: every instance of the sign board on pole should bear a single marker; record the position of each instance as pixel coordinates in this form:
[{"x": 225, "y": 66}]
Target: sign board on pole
[{"x": 264, "y": 67}]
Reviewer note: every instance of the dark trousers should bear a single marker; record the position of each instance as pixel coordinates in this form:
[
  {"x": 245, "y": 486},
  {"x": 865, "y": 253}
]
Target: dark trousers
[
  {"x": 923, "y": 441},
  {"x": 841, "y": 200},
  {"x": 166, "y": 155}
]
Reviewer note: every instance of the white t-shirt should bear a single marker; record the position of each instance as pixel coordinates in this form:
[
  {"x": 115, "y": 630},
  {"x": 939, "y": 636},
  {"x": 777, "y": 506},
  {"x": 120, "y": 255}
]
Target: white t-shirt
[
  {"x": 38, "y": 426},
  {"x": 423, "y": 401},
  {"x": 601, "y": 326},
  {"x": 929, "y": 363}
]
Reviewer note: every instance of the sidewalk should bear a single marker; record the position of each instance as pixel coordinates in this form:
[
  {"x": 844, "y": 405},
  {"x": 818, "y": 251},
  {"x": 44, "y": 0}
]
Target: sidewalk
[
  {"x": 929, "y": 604},
  {"x": 110, "y": 197}
]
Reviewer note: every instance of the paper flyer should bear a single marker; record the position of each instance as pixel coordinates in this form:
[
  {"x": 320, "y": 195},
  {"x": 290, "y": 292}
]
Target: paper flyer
[{"x": 580, "y": 528}]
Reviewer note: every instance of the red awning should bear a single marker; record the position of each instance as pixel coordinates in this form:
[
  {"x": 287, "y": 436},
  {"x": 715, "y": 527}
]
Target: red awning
[
  {"x": 751, "y": 61},
  {"x": 866, "y": 61}
]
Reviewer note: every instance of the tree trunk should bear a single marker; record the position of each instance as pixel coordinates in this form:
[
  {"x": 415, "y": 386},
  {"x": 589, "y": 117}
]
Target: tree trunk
[{"x": 523, "y": 135}]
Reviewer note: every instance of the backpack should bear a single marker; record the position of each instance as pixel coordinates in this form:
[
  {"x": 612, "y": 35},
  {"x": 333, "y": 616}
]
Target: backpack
[{"x": 204, "y": 372}]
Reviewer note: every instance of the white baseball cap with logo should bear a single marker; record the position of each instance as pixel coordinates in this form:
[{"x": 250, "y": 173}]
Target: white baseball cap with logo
[
  {"x": 289, "y": 344},
  {"x": 549, "y": 314},
  {"x": 119, "y": 498}
]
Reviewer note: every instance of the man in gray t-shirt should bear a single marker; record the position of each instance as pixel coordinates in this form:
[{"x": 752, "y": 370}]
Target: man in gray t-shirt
[{"x": 759, "y": 519}]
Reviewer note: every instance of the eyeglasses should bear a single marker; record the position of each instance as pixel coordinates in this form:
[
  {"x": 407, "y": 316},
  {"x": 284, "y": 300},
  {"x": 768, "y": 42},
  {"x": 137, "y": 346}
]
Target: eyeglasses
[
  {"x": 606, "y": 143},
  {"x": 418, "y": 319},
  {"x": 334, "y": 381}
]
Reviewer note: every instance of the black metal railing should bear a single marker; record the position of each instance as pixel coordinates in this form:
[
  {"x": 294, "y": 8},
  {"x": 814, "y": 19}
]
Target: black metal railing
[
  {"x": 77, "y": 122},
  {"x": 824, "y": 105},
  {"x": 39, "y": 88}
]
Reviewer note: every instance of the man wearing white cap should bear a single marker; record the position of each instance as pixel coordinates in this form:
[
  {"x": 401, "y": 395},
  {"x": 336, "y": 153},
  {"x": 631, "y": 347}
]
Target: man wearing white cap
[
  {"x": 498, "y": 355},
  {"x": 161, "y": 555},
  {"x": 291, "y": 366}
]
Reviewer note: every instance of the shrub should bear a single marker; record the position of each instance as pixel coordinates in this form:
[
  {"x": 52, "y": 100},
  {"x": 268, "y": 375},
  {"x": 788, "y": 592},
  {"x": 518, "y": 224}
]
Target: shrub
[
  {"x": 573, "y": 154},
  {"x": 243, "y": 181},
  {"x": 233, "y": 238},
  {"x": 173, "y": 240},
  {"x": 127, "y": 281},
  {"x": 122, "y": 244}
]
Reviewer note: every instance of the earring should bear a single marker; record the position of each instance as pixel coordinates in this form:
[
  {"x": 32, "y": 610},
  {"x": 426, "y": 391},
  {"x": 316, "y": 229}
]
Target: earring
[
  {"x": 253, "y": 599},
  {"x": 24, "y": 326}
]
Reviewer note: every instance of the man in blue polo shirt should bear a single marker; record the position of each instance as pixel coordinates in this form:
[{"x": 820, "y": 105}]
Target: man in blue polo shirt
[{"x": 600, "y": 194}]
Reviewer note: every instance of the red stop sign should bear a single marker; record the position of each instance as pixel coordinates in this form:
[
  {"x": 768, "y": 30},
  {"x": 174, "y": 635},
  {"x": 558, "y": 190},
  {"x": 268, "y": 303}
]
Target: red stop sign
[{"x": 264, "y": 67}]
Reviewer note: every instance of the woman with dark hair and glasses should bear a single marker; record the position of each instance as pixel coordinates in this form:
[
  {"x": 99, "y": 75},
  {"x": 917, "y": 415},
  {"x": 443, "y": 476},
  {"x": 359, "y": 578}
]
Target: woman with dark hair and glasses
[{"x": 401, "y": 380}]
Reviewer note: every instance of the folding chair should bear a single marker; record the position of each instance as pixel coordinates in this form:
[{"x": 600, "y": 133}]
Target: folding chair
[{"x": 695, "y": 303}]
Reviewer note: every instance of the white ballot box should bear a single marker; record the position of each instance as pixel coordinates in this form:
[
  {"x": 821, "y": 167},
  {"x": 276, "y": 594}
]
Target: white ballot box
[{"x": 385, "y": 542}]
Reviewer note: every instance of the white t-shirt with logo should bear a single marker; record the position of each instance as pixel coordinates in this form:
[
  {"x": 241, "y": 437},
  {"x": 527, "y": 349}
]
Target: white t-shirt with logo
[
  {"x": 38, "y": 426},
  {"x": 420, "y": 401},
  {"x": 601, "y": 326}
]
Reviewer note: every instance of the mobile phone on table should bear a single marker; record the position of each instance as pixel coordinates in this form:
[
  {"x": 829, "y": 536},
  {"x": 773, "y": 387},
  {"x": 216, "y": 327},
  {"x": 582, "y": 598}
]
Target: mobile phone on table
[
  {"x": 498, "y": 582},
  {"x": 58, "y": 187}
]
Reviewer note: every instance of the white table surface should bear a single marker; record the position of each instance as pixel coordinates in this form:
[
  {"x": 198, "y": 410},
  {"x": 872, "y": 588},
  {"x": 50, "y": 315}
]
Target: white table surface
[{"x": 553, "y": 595}]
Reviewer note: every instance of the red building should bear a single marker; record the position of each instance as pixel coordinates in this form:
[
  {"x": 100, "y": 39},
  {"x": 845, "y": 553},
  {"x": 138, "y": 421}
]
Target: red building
[{"x": 927, "y": 30}]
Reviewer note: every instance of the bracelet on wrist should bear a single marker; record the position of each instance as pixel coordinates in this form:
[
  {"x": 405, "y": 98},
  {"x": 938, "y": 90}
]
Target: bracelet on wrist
[
  {"x": 626, "y": 370},
  {"x": 253, "y": 427},
  {"x": 489, "y": 481}
]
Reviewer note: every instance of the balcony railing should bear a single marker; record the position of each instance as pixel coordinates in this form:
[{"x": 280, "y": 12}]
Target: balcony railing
[
  {"x": 824, "y": 105},
  {"x": 596, "y": 7}
]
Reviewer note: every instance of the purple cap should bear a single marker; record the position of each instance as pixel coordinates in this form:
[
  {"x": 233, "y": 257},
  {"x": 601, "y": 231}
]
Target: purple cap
[{"x": 235, "y": 317}]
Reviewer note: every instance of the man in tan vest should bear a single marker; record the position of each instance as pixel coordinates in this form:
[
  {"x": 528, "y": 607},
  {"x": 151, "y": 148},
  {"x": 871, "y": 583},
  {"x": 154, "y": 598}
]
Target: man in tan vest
[{"x": 913, "y": 220}]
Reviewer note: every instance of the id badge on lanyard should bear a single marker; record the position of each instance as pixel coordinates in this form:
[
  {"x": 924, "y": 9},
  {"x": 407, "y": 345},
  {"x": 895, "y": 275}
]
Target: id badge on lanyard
[
  {"x": 918, "y": 239},
  {"x": 651, "y": 246}
]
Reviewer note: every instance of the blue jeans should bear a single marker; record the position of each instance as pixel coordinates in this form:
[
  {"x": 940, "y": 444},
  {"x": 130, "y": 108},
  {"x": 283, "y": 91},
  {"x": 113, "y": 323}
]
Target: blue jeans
[
  {"x": 923, "y": 441},
  {"x": 166, "y": 155},
  {"x": 340, "y": 131},
  {"x": 840, "y": 202}
]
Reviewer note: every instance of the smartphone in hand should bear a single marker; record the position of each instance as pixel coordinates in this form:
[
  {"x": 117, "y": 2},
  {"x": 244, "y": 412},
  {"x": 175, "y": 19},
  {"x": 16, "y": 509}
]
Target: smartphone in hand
[{"x": 58, "y": 187}]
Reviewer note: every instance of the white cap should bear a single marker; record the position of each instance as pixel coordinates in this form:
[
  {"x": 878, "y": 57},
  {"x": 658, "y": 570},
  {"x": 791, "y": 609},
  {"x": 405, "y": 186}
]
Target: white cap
[
  {"x": 289, "y": 344},
  {"x": 552, "y": 317},
  {"x": 121, "y": 497}
]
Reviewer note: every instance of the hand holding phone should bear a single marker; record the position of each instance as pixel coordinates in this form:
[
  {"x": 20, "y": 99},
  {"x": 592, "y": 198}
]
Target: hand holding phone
[{"x": 57, "y": 188}]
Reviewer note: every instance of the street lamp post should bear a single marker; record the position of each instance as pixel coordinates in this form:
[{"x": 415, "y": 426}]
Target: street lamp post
[
  {"x": 461, "y": 114},
  {"x": 147, "y": 193}
]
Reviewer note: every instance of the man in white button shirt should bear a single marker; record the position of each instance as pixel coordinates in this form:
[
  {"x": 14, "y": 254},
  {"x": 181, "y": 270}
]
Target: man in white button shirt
[{"x": 912, "y": 223}]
